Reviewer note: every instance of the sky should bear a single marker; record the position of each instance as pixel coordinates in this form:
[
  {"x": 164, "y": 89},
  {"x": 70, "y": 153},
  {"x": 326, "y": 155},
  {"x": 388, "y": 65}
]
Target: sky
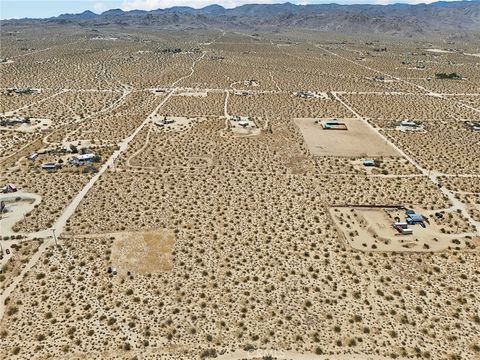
[{"x": 47, "y": 8}]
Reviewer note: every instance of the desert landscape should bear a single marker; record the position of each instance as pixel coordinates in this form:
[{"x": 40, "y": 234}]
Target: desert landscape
[{"x": 230, "y": 194}]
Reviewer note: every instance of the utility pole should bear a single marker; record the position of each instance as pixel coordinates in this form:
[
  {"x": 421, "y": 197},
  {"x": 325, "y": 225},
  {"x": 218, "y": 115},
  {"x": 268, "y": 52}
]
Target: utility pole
[
  {"x": 1, "y": 245},
  {"x": 54, "y": 237}
]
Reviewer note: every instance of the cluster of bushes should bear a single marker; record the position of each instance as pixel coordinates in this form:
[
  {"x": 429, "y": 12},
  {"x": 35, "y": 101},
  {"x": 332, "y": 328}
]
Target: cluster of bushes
[{"x": 453, "y": 75}]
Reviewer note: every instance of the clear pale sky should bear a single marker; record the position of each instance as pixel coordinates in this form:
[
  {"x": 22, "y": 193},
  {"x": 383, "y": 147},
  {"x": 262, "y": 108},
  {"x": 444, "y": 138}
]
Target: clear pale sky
[{"x": 42, "y": 8}]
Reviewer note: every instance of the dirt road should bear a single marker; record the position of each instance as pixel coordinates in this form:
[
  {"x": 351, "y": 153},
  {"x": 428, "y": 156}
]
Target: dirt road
[{"x": 60, "y": 223}]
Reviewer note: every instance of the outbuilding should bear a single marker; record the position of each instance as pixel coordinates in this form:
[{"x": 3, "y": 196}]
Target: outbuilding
[{"x": 368, "y": 162}]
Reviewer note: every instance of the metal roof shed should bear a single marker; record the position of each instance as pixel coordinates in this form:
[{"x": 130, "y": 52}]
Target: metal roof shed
[{"x": 416, "y": 217}]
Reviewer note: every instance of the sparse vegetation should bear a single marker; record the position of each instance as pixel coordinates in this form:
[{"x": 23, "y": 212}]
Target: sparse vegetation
[{"x": 197, "y": 240}]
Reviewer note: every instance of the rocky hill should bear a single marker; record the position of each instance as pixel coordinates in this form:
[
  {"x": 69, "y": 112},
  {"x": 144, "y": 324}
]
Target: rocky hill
[{"x": 457, "y": 17}]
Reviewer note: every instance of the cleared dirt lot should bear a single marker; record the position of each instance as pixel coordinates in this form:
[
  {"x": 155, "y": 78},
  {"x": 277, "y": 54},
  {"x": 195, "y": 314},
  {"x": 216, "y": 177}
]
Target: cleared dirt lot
[
  {"x": 358, "y": 140},
  {"x": 143, "y": 252}
]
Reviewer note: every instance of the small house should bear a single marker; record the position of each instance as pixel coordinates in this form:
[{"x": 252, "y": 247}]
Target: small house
[
  {"x": 50, "y": 166},
  {"x": 334, "y": 125},
  {"x": 473, "y": 125},
  {"x": 85, "y": 157},
  {"x": 21, "y": 120},
  {"x": 306, "y": 94},
  {"x": 32, "y": 156},
  {"x": 250, "y": 82},
  {"x": 406, "y": 231},
  {"x": 402, "y": 228},
  {"x": 24, "y": 90},
  {"x": 82, "y": 159},
  {"x": 415, "y": 219},
  {"x": 242, "y": 93},
  {"x": 9, "y": 188},
  {"x": 368, "y": 162},
  {"x": 408, "y": 123}
]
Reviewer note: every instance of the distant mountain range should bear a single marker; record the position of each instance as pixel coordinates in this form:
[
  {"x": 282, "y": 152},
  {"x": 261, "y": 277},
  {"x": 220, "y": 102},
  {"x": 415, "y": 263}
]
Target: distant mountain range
[{"x": 457, "y": 17}]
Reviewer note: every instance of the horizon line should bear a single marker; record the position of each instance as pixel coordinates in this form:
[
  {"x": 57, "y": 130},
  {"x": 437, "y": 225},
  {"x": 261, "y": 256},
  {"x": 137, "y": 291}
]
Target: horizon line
[{"x": 302, "y": 4}]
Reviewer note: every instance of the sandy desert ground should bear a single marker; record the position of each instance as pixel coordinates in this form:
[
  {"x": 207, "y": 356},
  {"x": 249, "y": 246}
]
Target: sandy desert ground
[{"x": 189, "y": 233}]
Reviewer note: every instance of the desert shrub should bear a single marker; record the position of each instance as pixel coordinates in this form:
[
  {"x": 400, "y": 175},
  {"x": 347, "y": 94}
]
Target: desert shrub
[{"x": 209, "y": 353}]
